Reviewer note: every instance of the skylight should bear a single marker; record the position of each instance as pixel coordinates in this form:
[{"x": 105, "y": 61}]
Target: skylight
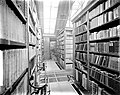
[
  {"x": 50, "y": 10},
  {"x": 50, "y": 15}
]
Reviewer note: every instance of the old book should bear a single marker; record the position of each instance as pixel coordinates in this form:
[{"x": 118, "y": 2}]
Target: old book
[{"x": 1, "y": 68}]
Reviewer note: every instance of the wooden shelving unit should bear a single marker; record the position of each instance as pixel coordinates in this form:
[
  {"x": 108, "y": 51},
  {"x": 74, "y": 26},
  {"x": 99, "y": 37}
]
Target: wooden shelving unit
[
  {"x": 96, "y": 47},
  {"x": 7, "y": 44},
  {"x": 13, "y": 47},
  {"x": 60, "y": 49},
  {"x": 20, "y": 45},
  {"x": 65, "y": 48}
]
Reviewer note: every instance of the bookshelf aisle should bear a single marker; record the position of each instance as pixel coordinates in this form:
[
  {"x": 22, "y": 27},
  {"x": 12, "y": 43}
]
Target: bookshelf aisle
[
  {"x": 65, "y": 48},
  {"x": 96, "y": 48}
]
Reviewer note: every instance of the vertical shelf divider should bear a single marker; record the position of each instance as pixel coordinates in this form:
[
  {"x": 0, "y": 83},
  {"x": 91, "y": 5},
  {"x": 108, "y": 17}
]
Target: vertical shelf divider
[
  {"x": 65, "y": 48},
  {"x": 27, "y": 41},
  {"x": 88, "y": 50}
]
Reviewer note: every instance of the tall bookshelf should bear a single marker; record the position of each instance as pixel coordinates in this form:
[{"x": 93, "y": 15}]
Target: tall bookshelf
[
  {"x": 65, "y": 48},
  {"x": 96, "y": 48},
  {"x": 13, "y": 51},
  {"x": 60, "y": 49},
  {"x": 20, "y": 38},
  {"x": 35, "y": 41},
  {"x": 68, "y": 47}
]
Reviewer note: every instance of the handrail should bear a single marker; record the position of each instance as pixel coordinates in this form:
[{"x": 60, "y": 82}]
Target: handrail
[
  {"x": 38, "y": 88},
  {"x": 16, "y": 83}
]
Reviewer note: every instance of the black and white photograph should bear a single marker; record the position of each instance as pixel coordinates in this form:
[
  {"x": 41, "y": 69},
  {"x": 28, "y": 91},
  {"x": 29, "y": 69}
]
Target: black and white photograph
[{"x": 59, "y": 47}]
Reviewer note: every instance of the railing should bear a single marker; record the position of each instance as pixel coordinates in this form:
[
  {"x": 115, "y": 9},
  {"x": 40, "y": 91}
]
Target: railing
[{"x": 39, "y": 89}]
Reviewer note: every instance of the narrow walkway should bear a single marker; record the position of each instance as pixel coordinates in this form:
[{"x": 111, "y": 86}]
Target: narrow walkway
[{"x": 58, "y": 81}]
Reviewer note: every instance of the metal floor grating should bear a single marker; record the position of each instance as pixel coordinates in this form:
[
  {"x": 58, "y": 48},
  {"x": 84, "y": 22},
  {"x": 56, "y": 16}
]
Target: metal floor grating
[
  {"x": 52, "y": 80},
  {"x": 50, "y": 75},
  {"x": 58, "y": 76},
  {"x": 62, "y": 79}
]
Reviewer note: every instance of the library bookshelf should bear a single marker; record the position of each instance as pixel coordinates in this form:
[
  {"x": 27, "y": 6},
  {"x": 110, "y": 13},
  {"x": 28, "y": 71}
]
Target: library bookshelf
[
  {"x": 96, "y": 48},
  {"x": 13, "y": 51},
  {"x": 19, "y": 31},
  {"x": 35, "y": 39},
  {"x": 65, "y": 48}
]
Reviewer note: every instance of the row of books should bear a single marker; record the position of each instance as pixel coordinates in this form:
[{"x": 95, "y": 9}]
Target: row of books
[
  {"x": 81, "y": 38},
  {"x": 108, "y": 79},
  {"x": 95, "y": 89},
  {"x": 105, "y": 61},
  {"x": 70, "y": 37},
  {"x": 69, "y": 51},
  {"x": 111, "y": 32},
  {"x": 81, "y": 20},
  {"x": 79, "y": 65},
  {"x": 32, "y": 38},
  {"x": 69, "y": 32},
  {"x": 81, "y": 56},
  {"x": 103, "y": 6},
  {"x": 32, "y": 52},
  {"x": 82, "y": 47},
  {"x": 69, "y": 46},
  {"x": 100, "y": 60},
  {"x": 104, "y": 18},
  {"x": 14, "y": 63},
  {"x": 105, "y": 47},
  {"x": 84, "y": 81},
  {"x": 68, "y": 41},
  {"x": 80, "y": 29},
  {"x": 11, "y": 28},
  {"x": 109, "y": 3},
  {"x": 99, "y": 9}
]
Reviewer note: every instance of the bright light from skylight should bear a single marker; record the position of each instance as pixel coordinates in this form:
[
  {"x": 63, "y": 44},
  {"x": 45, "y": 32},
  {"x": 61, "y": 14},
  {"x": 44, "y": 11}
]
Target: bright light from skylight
[
  {"x": 50, "y": 9},
  {"x": 50, "y": 15}
]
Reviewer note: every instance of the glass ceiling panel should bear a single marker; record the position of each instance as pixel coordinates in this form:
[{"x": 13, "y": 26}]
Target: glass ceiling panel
[
  {"x": 53, "y": 11},
  {"x": 50, "y": 8},
  {"x": 50, "y": 14},
  {"x": 46, "y": 30},
  {"x": 46, "y": 23},
  {"x": 52, "y": 24}
]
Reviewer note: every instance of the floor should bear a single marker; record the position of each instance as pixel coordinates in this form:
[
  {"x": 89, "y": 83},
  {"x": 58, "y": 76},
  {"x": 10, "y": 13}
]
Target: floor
[{"x": 58, "y": 83}]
